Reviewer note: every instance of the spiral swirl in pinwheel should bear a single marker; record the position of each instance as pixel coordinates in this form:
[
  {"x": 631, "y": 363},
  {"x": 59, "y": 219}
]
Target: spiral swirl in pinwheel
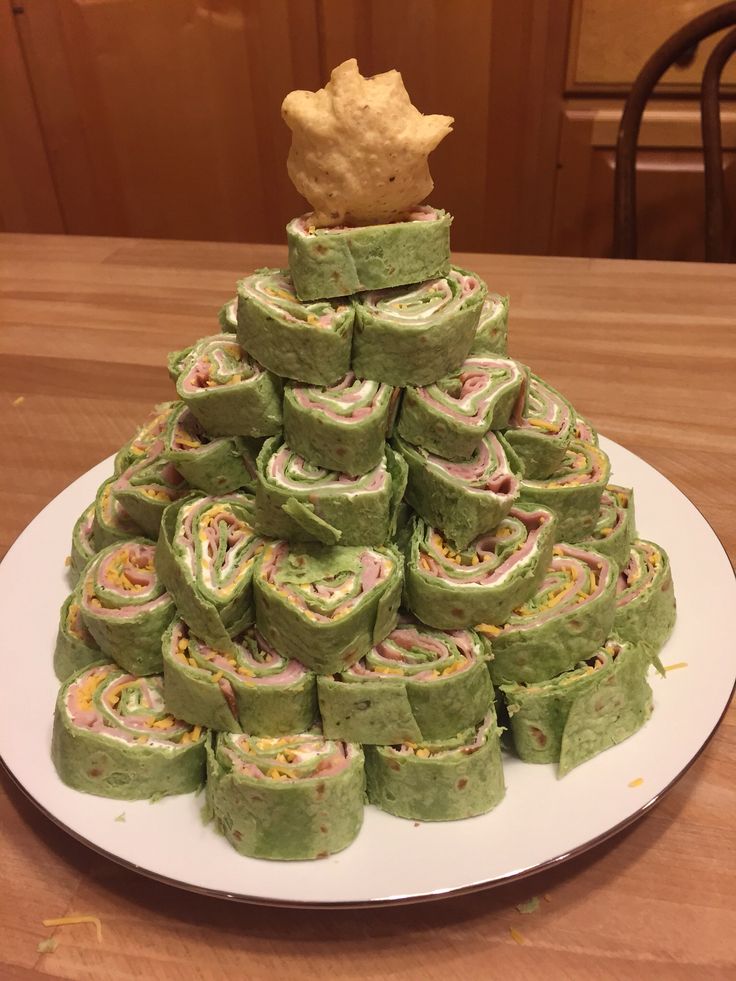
[
  {"x": 309, "y": 342},
  {"x": 439, "y": 780},
  {"x": 645, "y": 599},
  {"x": 541, "y": 433},
  {"x": 215, "y": 465},
  {"x": 576, "y": 715},
  {"x": 228, "y": 392},
  {"x": 75, "y": 645},
  {"x": 417, "y": 684},
  {"x": 413, "y": 335},
  {"x": 462, "y": 500},
  {"x": 451, "y": 417},
  {"x": 147, "y": 487},
  {"x": 326, "y": 606},
  {"x": 573, "y": 492},
  {"x": 205, "y": 556},
  {"x": 342, "y": 260},
  {"x": 288, "y": 797},
  {"x": 583, "y": 430},
  {"x": 125, "y": 605},
  {"x": 342, "y": 427},
  {"x": 615, "y": 528},
  {"x": 227, "y": 316},
  {"x": 152, "y": 430},
  {"x": 566, "y": 620},
  {"x": 83, "y": 544},
  {"x": 253, "y": 689},
  {"x": 483, "y": 583},
  {"x": 491, "y": 335},
  {"x": 301, "y": 502},
  {"x": 111, "y": 522},
  {"x": 114, "y": 737}
]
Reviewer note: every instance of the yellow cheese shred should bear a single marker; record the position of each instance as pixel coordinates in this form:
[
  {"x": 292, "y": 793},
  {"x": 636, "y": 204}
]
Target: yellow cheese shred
[
  {"x": 519, "y": 938},
  {"x": 674, "y": 667},
  {"x": 637, "y": 782},
  {"x": 74, "y": 918}
]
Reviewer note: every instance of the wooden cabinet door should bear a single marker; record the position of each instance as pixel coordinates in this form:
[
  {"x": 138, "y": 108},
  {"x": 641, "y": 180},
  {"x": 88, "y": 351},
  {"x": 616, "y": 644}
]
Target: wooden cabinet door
[
  {"x": 610, "y": 41},
  {"x": 670, "y": 183}
]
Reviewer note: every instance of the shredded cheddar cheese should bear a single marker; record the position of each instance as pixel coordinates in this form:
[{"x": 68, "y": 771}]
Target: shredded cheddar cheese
[
  {"x": 72, "y": 919},
  {"x": 549, "y": 427}
]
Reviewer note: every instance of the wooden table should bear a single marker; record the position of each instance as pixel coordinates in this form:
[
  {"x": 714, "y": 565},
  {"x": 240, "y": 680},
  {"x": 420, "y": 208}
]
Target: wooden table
[{"x": 645, "y": 350}]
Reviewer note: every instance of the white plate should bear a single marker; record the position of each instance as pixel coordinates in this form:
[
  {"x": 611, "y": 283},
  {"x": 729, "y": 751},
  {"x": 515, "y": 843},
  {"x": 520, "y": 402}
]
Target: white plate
[{"x": 542, "y": 820}]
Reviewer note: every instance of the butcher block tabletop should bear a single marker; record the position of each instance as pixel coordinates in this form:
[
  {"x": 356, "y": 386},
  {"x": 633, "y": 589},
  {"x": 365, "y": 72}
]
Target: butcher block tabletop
[{"x": 644, "y": 350}]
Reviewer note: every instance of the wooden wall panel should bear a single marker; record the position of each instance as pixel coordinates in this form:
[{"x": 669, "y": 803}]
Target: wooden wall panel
[
  {"x": 423, "y": 42},
  {"x": 28, "y": 200},
  {"x": 498, "y": 68},
  {"x": 670, "y": 184},
  {"x": 528, "y": 60},
  {"x": 163, "y": 119}
]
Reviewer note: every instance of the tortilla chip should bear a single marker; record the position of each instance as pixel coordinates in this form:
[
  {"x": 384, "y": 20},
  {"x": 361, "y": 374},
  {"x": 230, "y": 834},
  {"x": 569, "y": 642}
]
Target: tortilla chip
[{"x": 359, "y": 147}]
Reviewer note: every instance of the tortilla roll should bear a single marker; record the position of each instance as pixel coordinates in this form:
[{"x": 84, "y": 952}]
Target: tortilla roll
[
  {"x": 309, "y": 342},
  {"x": 465, "y": 499},
  {"x": 285, "y": 797},
  {"x": 645, "y": 599},
  {"x": 451, "y": 416},
  {"x": 328, "y": 262},
  {"x": 340, "y": 427},
  {"x": 615, "y": 528},
  {"x": 229, "y": 392},
  {"x": 205, "y": 555},
  {"x": 491, "y": 335},
  {"x": 567, "y": 619},
  {"x": 83, "y": 544},
  {"x": 326, "y": 606},
  {"x": 576, "y": 715},
  {"x": 146, "y": 488},
  {"x": 251, "y": 689},
  {"x": 573, "y": 492},
  {"x": 125, "y": 605},
  {"x": 75, "y": 645},
  {"x": 227, "y": 316},
  {"x": 583, "y": 430},
  {"x": 439, "y": 780},
  {"x": 541, "y": 432},
  {"x": 214, "y": 465},
  {"x": 114, "y": 737},
  {"x": 413, "y": 335},
  {"x": 482, "y": 583},
  {"x": 415, "y": 685},
  {"x": 111, "y": 522},
  {"x": 152, "y": 429},
  {"x": 301, "y": 502}
]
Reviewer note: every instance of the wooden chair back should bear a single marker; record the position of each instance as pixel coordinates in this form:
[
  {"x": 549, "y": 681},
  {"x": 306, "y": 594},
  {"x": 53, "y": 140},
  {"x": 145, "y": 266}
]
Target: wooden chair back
[{"x": 674, "y": 49}]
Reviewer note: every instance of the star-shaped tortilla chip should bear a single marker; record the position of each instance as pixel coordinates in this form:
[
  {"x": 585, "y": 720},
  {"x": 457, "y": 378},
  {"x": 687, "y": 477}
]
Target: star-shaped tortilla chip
[{"x": 359, "y": 147}]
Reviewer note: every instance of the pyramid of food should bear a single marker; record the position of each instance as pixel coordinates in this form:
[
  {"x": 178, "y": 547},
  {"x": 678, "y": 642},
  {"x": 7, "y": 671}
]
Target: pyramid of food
[{"x": 362, "y": 542}]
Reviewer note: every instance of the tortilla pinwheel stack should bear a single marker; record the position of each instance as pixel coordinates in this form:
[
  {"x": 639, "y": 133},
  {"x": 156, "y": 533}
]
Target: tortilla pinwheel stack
[{"x": 359, "y": 536}]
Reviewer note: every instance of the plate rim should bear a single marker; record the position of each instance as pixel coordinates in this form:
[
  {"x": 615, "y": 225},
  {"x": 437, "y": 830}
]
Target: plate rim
[{"x": 399, "y": 899}]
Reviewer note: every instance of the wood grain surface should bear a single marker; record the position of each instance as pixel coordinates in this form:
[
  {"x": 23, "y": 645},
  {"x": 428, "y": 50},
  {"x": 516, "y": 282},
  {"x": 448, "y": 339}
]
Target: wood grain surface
[
  {"x": 647, "y": 351},
  {"x": 163, "y": 119}
]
